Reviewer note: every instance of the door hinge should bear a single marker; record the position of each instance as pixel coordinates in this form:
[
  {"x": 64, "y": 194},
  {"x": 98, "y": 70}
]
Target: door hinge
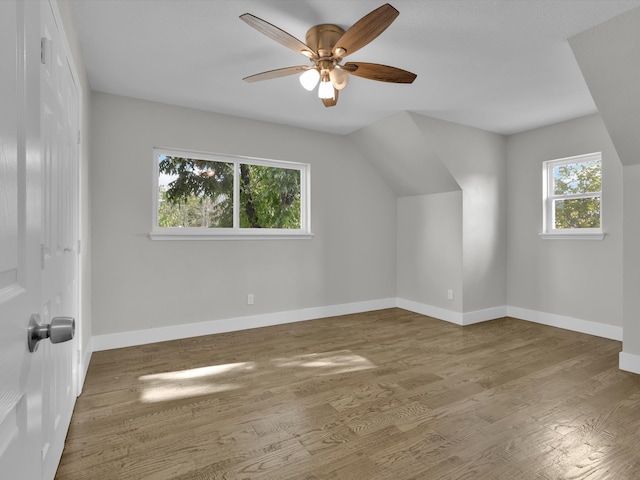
[
  {"x": 79, "y": 247},
  {"x": 42, "y": 256},
  {"x": 79, "y": 136},
  {"x": 43, "y": 50}
]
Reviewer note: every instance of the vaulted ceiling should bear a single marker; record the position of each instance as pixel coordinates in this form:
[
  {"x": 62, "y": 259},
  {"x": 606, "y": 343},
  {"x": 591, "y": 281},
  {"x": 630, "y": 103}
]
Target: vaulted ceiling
[{"x": 502, "y": 66}]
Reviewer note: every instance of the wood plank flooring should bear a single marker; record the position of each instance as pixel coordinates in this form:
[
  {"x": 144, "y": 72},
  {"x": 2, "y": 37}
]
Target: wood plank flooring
[{"x": 381, "y": 395}]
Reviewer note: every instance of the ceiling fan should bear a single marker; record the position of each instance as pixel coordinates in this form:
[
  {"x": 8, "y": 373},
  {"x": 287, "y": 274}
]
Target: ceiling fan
[{"x": 326, "y": 46}]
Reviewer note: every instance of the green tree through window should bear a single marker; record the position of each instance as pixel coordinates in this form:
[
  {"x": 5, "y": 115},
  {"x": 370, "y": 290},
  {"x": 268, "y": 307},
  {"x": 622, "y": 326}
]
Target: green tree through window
[
  {"x": 200, "y": 193},
  {"x": 269, "y": 197},
  {"x": 578, "y": 179},
  {"x": 573, "y": 194}
]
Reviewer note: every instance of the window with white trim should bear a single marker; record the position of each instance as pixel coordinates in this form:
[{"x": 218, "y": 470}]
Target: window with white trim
[
  {"x": 210, "y": 196},
  {"x": 572, "y": 191}
]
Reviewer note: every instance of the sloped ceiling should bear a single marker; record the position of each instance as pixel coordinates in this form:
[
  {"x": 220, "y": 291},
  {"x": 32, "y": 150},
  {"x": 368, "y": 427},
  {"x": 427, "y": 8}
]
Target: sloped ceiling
[
  {"x": 609, "y": 56},
  {"x": 502, "y": 66},
  {"x": 404, "y": 157}
]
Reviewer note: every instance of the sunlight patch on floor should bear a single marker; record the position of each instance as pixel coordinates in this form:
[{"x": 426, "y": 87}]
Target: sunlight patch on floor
[
  {"x": 201, "y": 372},
  {"x": 169, "y": 392},
  {"x": 327, "y": 363},
  {"x": 193, "y": 382}
]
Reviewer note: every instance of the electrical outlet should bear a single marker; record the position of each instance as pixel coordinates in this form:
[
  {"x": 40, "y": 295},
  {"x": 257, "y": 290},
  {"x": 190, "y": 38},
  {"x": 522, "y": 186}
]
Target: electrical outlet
[
  {"x": 250, "y": 299},
  {"x": 450, "y": 294}
]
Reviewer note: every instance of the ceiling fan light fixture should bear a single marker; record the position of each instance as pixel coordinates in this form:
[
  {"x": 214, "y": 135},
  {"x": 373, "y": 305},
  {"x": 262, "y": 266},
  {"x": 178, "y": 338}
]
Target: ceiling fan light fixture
[
  {"x": 340, "y": 52},
  {"x": 326, "y": 87},
  {"x": 326, "y": 45},
  {"x": 339, "y": 78},
  {"x": 309, "y": 79}
]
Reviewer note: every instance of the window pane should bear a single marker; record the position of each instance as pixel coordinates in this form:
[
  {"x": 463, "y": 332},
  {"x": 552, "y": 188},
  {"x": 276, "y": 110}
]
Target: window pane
[
  {"x": 269, "y": 197},
  {"x": 582, "y": 177},
  {"x": 194, "y": 193},
  {"x": 577, "y": 213}
]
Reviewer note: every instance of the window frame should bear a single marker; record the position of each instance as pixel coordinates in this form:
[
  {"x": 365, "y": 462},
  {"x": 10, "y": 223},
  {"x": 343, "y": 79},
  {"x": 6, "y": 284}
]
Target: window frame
[
  {"x": 235, "y": 232},
  {"x": 548, "y": 198}
]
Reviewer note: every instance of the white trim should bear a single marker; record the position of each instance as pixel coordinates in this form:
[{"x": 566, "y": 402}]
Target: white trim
[
  {"x": 548, "y": 199},
  {"x": 629, "y": 362},
  {"x": 57, "y": 16},
  {"x": 550, "y": 319},
  {"x": 568, "y": 323},
  {"x": 84, "y": 367},
  {"x": 485, "y": 315},
  {"x": 235, "y": 232},
  {"x": 431, "y": 311},
  {"x": 97, "y": 343},
  {"x": 175, "y": 332},
  {"x": 232, "y": 234},
  {"x": 11, "y": 291},
  {"x": 65, "y": 412},
  {"x": 572, "y": 236},
  {"x": 462, "y": 319}
]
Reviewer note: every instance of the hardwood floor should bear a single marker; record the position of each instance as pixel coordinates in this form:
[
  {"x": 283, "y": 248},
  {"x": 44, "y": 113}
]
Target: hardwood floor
[{"x": 381, "y": 395}]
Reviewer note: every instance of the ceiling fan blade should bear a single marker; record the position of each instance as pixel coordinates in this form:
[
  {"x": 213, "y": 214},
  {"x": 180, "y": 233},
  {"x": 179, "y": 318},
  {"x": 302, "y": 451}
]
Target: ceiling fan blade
[
  {"x": 278, "y": 35},
  {"x": 365, "y": 30},
  {"x": 277, "y": 73},
  {"x": 381, "y": 73},
  {"x": 331, "y": 102}
]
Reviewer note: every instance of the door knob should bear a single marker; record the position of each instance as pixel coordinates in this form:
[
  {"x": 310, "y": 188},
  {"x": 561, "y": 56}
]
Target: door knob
[{"x": 59, "y": 330}]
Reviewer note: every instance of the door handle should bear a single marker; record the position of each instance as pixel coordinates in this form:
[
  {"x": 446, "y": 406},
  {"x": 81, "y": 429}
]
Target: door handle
[{"x": 61, "y": 329}]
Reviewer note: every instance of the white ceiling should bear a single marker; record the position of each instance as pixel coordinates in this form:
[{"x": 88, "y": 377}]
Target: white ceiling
[{"x": 499, "y": 65}]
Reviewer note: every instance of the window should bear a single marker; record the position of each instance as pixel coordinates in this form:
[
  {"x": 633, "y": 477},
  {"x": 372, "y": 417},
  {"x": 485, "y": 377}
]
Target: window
[
  {"x": 572, "y": 189},
  {"x": 207, "y": 196}
]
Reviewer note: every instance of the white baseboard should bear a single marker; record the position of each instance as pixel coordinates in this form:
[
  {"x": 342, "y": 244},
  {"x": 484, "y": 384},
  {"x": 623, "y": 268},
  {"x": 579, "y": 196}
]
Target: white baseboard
[
  {"x": 161, "y": 334},
  {"x": 459, "y": 318},
  {"x": 629, "y": 362},
  {"x": 468, "y": 318},
  {"x": 84, "y": 365},
  {"x": 175, "y": 332},
  {"x": 568, "y": 323},
  {"x": 477, "y": 316},
  {"x": 431, "y": 311}
]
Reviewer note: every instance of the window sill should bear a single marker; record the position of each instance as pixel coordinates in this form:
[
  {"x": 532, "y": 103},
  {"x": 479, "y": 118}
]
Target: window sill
[
  {"x": 197, "y": 234},
  {"x": 573, "y": 236}
]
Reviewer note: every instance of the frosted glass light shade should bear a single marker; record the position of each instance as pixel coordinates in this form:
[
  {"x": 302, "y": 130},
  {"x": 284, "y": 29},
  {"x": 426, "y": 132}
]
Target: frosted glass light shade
[
  {"x": 326, "y": 89},
  {"x": 339, "y": 78},
  {"x": 309, "y": 79}
]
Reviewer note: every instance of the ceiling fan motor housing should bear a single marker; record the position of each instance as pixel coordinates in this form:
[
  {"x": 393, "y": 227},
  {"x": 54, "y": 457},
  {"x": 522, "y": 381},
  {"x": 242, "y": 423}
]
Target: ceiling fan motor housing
[{"x": 322, "y": 38}]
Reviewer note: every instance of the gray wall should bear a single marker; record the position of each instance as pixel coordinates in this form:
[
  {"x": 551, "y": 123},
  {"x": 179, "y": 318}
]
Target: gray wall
[
  {"x": 368, "y": 244},
  {"x": 476, "y": 160},
  {"x": 139, "y": 283},
  {"x": 580, "y": 279},
  {"x": 608, "y": 57},
  {"x": 432, "y": 164},
  {"x": 631, "y": 305},
  {"x": 430, "y": 249}
]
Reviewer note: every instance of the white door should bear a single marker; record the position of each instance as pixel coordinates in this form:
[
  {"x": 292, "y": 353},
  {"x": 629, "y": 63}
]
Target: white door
[
  {"x": 59, "y": 234},
  {"x": 39, "y": 237},
  {"x": 20, "y": 370}
]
